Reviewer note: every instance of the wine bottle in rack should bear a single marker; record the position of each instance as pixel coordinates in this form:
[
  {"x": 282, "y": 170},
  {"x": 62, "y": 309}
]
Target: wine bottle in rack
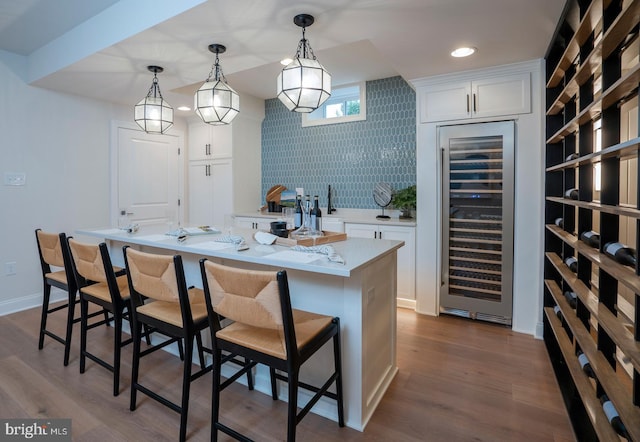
[
  {"x": 621, "y": 253},
  {"x": 571, "y": 298},
  {"x": 592, "y": 238},
  {"x": 573, "y": 156},
  {"x": 586, "y": 365},
  {"x": 613, "y": 417},
  {"x": 559, "y": 222},
  {"x": 558, "y": 312},
  {"x": 572, "y": 263},
  {"x": 572, "y": 193}
]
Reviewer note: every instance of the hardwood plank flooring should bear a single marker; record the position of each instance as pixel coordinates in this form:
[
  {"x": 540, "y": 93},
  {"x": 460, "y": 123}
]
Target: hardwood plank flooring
[{"x": 459, "y": 380}]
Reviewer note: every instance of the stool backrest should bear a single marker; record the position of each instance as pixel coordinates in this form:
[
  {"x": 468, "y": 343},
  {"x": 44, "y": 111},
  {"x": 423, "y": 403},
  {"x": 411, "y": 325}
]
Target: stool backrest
[
  {"x": 50, "y": 248},
  {"x": 153, "y": 276},
  {"x": 251, "y": 297},
  {"x": 87, "y": 260}
]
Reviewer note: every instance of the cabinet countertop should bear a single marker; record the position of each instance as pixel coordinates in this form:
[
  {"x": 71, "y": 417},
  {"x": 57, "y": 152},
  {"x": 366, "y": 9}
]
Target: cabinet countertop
[
  {"x": 356, "y": 252},
  {"x": 350, "y": 217}
]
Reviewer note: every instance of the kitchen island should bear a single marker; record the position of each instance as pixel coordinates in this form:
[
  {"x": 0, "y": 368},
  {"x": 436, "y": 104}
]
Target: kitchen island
[{"x": 362, "y": 292}]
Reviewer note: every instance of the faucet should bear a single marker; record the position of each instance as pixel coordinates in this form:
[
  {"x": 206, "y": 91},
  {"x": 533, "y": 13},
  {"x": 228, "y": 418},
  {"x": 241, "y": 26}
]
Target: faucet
[{"x": 330, "y": 207}]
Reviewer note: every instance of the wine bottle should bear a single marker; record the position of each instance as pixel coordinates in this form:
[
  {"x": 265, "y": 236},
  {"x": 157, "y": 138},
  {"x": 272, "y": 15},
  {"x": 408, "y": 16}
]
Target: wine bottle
[
  {"x": 316, "y": 215},
  {"x": 572, "y": 156},
  {"x": 571, "y": 298},
  {"x": 613, "y": 417},
  {"x": 572, "y": 263},
  {"x": 572, "y": 193},
  {"x": 585, "y": 364},
  {"x": 297, "y": 216},
  {"x": 621, "y": 253},
  {"x": 559, "y": 222},
  {"x": 558, "y": 312},
  {"x": 592, "y": 238}
]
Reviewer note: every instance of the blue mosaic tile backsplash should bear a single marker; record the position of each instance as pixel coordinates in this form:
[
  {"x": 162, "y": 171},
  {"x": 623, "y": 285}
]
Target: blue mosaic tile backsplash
[{"x": 352, "y": 157}]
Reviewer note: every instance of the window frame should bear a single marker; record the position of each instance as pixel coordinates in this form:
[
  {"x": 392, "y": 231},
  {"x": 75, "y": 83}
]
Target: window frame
[{"x": 362, "y": 116}]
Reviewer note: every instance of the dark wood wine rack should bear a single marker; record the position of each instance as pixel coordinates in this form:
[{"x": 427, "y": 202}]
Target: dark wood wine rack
[{"x": 588, "y": 81}]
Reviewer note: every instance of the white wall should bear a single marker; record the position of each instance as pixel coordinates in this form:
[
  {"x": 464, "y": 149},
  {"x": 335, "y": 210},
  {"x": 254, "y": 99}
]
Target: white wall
[{"x": 62, "y": 143}]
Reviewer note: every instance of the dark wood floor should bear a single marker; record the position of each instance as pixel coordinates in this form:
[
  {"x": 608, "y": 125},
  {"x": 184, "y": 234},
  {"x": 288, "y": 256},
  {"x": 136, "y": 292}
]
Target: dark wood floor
[{"x": 459, "y": 380}]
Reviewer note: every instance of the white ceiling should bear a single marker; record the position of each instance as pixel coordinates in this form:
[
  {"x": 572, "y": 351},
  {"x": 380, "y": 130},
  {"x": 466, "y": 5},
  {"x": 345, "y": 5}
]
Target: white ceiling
[{"x": 100, "y": 48}]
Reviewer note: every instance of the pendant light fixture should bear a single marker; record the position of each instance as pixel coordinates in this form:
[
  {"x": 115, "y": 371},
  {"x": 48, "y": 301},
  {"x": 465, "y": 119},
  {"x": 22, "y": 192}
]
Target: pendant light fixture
[
  {"x": 216, "y": 102},
  {"x": 153, "y": 114},
  {"x": 304, "y": 84}
]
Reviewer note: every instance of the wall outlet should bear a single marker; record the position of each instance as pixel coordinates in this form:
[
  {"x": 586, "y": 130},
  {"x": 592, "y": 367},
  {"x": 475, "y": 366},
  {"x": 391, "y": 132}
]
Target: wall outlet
[
  {"x": 300, "y": 191},
  {"x": 15, "y": 178},
  {"x": 10, "y": 268}
]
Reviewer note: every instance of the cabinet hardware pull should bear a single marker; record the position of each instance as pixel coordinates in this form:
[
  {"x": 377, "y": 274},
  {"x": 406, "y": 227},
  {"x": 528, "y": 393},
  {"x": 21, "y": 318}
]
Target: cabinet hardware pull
[
  {"x": 467, "y": 103},
  {"x": 474, "y": 103}
]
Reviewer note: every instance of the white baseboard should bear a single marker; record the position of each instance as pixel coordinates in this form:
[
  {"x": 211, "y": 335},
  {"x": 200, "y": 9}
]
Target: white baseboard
[
  {"x": 406, "y": 303},
  {"x": 30, "y": 301}
]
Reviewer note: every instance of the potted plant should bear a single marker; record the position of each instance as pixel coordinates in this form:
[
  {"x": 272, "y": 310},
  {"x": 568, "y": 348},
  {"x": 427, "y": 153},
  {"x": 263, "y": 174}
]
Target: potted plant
[{"x": 405, "y": 201}]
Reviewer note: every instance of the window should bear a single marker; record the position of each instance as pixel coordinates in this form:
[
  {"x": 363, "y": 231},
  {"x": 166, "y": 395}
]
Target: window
[{"x": 346, "y": 104}]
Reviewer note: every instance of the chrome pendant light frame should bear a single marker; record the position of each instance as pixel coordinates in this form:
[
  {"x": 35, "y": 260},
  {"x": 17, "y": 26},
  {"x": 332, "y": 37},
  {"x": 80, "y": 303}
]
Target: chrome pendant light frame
[
  {"x": 153, "y": 114},
  {"x": 216, "y": 102},
  {"x": 304, "y": 84}
]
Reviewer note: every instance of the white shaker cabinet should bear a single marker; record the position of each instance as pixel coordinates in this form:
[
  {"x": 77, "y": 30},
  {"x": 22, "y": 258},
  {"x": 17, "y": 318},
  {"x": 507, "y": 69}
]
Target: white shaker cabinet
[
  {"x": 257, "y": 223},
  {"x": 224, "y": 169},
  {"x": 406, "y": 254},
  {"x": 210, "y": 194},
  {"x": 475, "y": 98},
  {"x": 208, "y": 142}
]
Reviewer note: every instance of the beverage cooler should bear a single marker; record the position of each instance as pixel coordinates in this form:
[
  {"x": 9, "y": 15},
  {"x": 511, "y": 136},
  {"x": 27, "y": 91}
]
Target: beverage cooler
[{"x": 477, "y": 232}]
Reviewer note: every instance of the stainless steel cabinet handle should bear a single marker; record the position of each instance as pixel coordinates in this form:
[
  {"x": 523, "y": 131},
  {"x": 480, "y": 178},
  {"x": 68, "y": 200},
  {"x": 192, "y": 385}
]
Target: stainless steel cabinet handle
[
  {"x": 474, "y": 103},
  {"x": 467, "y": 103}
]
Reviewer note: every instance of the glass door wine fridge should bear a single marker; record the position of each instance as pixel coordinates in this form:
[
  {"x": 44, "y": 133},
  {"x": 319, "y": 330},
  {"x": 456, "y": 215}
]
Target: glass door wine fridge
[{"x": 477, "y": 242}]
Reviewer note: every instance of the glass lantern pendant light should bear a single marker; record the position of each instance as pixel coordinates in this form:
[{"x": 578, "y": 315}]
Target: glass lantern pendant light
[
  {"x": 304, "y": 84},
  {"x": 216, "y": 102},
  {"x": 153, "y": 114}
]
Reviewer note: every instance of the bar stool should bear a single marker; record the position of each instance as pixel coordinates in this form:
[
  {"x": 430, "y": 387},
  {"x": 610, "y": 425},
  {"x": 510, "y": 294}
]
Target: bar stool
[
  {"x": 267, "y": 330},
  {"x": 173, "y": 310},
  {"x": 53, "y": 251},
  {"x": 99, "y": 284}
]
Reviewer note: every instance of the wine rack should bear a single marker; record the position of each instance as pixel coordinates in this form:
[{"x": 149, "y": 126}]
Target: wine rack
[{"x": 593, "y": 79}]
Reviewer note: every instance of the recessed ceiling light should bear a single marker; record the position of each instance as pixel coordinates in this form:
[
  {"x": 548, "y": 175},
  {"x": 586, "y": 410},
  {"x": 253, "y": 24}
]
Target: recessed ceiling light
[
  {"x": 285, "y": 61},
  {"x": 463, "y": 52},
  {"x": 184, "y": 108}
]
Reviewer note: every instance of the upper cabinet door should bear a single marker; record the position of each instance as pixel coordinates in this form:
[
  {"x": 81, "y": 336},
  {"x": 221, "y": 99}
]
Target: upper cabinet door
[
  {"x": 508, "y": 95},
  {"x": 208, "y": 142},
  {"x": 442, "y": 102},
  {"x": 199, "y": 141},
  {"x": 487, "y": 97}
]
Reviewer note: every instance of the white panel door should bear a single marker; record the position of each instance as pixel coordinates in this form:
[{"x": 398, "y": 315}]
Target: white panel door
[{"x": 148, "y": 178}]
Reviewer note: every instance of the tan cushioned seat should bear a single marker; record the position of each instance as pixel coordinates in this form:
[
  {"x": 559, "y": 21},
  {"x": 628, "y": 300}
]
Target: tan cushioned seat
[
  {"x": 59, "y": 276},
  {"x": 170, "y": 311},
  {"x": 101, "y": 289},
  {"x": 307, "y": 325}
]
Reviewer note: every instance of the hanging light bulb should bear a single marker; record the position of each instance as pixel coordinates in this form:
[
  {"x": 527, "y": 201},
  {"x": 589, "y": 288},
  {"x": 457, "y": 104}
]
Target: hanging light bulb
[
  {"x": 153, "y": 114},
  {"x": 216, "y": 102},
  {"x": 304, "y": 84}
]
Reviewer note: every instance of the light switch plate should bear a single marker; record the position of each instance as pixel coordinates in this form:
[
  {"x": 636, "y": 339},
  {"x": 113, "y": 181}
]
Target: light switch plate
[{"x": 15, "y": 178}]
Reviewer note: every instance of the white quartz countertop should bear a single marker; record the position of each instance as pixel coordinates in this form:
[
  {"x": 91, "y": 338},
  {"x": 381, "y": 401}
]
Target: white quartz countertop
[
  {"x": 354, "y": 216},
  {"x": 356, "y": 252}
]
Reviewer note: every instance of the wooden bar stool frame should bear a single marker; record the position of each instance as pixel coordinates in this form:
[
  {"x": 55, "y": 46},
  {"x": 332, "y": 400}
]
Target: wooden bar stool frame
[
  {"x": 189, "y": 332},
  {"x": 296, "y": 356},
  {"x": 58, "y": 256},
  {"x": 117, "y": 303}
]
